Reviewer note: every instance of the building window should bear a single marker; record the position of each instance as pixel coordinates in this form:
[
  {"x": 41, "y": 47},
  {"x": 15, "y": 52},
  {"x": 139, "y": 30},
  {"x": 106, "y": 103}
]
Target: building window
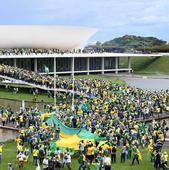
[
  {"x": 63, "y": 64},
  {"x": 42, "y": 62},
  {"x": 9, "y": 62},
  {"x": 95, "y": 63},
  {"x": 109, "y": 63},
  {"x": 25, "y": 63},
  {"x": 80, "y": 64}
]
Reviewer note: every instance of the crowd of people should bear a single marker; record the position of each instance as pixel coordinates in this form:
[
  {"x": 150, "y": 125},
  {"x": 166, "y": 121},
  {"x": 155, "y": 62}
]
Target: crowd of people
[
  {"x": 28, "y": 51},
  {"x": 42, "y": 51},
  {"x": 26, "y": 75},
  {"x": 35, "y": 137},
  {"x": 134, "y": 98},
  {"x": 114, "y": 112}
]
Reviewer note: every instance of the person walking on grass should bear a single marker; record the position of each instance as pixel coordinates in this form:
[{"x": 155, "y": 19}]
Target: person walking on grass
[
  {"x": 113, "y": 154},
  {"x": 67, "y": 160},
  {"x": 38, "y": 167},
  {"x": 135, "y": 155},
  {"x": 45, "y": 163},
  {"x": 123, "y": 154},
  {"x": 107, "y": 162},
  {"x": 21, "y": 159},
  {"x": 10, "y": 166},
  {"x": 157, "y": 162},
  {"x": 35, "y": 155},
  {"x": 1, "y": 148},
  {"x": 82, "y": 161}
]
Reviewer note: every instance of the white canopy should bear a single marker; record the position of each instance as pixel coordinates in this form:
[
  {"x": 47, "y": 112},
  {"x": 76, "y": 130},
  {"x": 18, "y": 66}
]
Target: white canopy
[{"x": 37, "y": 36}]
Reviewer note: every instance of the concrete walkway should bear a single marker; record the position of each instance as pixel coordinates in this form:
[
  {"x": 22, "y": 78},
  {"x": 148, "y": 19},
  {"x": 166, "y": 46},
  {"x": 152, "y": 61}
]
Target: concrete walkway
[
  {"x": 130, "y": 75},
  {"x": 9, "y": 128},
  {"x": 40, "y": 86}
]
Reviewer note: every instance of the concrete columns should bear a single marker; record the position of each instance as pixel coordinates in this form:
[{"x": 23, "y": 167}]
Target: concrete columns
[
  {"x": 72, "y": 66},
  {"x": 102, "y": 65},
  {"x": 54, "y": 70},
  {"x": 116, "y": 65},
  {"x": 88, "y": 65},
  {"x": 129, "y": 64},
  {"x": 14, "y": 62},
  {"x": 35, "y": 65}
]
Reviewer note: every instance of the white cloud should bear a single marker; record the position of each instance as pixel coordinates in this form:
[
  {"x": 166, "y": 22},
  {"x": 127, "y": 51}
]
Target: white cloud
[
  {"x": 111, "y": 17},
  {"x": 149, "y": 20}
]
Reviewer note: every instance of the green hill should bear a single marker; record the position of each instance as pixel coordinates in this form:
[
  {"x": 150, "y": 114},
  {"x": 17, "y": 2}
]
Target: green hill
[{"x": 131, "y": 43}]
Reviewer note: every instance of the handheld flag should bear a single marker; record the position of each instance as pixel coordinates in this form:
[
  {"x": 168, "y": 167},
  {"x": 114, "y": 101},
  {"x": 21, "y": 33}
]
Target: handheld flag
[{"x": 46, "y": 69}]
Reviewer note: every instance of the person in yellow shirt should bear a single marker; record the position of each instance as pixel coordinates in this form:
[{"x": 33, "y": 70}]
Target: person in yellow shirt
[
  {"x": 35, "y": 155},
  {"x": 106, "y": 147},
  {"x": 3, "y": 120},
  {"x": 1, "y": 146},
  {"x": 165, "y": 155},
  {"x": 27, "y": 153},
  {"x": 90, "y": 152},
  {"x": 18, "y": 141},
  {"x": 19, "y": 148},
  {"x": 21, "y": 120}
]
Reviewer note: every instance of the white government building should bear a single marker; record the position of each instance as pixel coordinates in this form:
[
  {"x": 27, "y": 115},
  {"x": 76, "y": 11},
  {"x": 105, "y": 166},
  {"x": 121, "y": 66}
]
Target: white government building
[{"x": 59, "y": 37}]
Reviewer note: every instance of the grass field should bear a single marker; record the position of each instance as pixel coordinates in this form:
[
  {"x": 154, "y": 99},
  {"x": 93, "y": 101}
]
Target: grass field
[
  {"x": 22, "y": 95},
  {"x": 148, "y": 65},
  {"x": 113, "y": 79},
  {"x": 9, "y": 155}
]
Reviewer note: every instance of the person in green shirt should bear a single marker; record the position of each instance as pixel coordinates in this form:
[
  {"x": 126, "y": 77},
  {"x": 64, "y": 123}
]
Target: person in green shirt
[
  {"x": 135, "y": 155},
  {"x": 82, "y": 161}
]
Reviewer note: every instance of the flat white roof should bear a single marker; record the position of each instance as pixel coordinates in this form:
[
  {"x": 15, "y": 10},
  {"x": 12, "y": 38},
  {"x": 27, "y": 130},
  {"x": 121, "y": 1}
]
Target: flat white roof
[{"x": 40, "y": 36}]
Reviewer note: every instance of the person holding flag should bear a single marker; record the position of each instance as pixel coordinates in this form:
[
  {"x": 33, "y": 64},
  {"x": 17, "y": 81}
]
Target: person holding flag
[
  {"x": 46, "y": 69},
  {"x": 136, "y": 155}
]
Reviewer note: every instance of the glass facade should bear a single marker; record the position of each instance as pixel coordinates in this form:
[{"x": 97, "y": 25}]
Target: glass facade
[
  {"x": 63, "y": 64},
  {"x": 109, "y": 63},
  {"x": 80, "y": 64},
  {"x": 95, "y": 63},
  {"x": 123, "y": 62},
  {"x": 26, "y": 63},
  {"x": 9, "y": 62},
  {"x": 42, "y": 62}
]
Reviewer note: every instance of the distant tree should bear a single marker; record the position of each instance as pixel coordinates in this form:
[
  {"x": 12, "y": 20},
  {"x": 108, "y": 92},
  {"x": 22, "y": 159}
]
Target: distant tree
[{"x": 131, "y": 43}]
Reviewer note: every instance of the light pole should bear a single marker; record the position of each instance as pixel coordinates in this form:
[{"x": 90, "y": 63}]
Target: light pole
[
  {"x": 73, "y": 88},
  {"x": 54, "y": 67}
]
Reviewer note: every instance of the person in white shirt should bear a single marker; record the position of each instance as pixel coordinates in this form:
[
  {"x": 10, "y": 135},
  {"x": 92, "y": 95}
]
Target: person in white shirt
[
  {"x": 21, "y": 159},
  {"x": 10, "y": 166},
  {"x": 107, "y": 162},
  {"x": 67, "y": 160},
  {"x": 38, "y": 167},
  {"x": 45, "y": 163},
  {"x": 82, "y": 146}
]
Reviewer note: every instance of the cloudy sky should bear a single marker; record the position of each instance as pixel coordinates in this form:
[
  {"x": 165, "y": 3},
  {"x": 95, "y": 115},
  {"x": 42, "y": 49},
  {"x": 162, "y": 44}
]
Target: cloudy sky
[{"x": 112, "y": 18}]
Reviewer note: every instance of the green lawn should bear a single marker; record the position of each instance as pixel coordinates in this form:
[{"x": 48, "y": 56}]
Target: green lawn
[
  {"x": 22, "y": 95},
  {"x": 9, "y": 155},
  {"x": 157, "y": 66},
  {"x": 112, "y": 79},
  {"x": 148, "y": 65}
]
